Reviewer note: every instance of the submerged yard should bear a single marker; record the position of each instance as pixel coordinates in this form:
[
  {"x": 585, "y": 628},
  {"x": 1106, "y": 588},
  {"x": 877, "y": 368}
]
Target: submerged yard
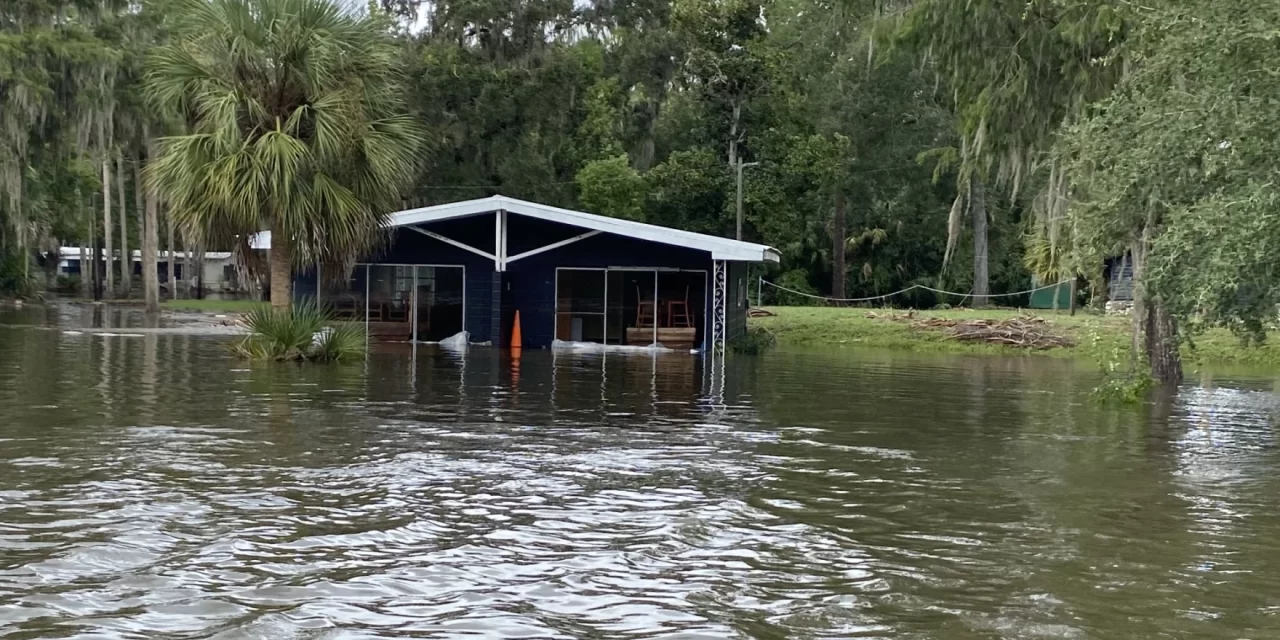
[{"x": 1092, "y": 335}]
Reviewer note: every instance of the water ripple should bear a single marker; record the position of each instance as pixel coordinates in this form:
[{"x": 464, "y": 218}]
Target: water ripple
[{"x": 174, "y": 492}]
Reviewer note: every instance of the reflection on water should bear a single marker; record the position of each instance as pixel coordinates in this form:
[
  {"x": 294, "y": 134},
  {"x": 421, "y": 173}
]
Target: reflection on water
[{"x": 153, "y": 486}]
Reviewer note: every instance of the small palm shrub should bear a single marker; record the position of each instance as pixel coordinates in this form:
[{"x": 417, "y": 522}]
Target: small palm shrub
[{"x": 305, "y": 331}]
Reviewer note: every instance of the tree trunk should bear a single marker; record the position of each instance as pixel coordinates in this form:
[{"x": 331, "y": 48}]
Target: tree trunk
[
  {"x": 91, "y": 291},
  {"x": 838, "y": 233},
  {"x": 173, "y": 256},
  {"x": 150, "y": 242},
  {"x": 978, "y": 209},
  {"x": 188, "y": 273},
  {"x": 1155, "y": 332},
  {"x": 126, "y": 257},
  {"x": 1162, "y": 344},
  {"x": 1057, "y": 295},
  {"x": 85, "y": 268},
  {"x": 109, "y": 260},
  {"x": 1137, "y": 314},
  {"x": 281, "y": 269},
  {"x": 198, "y": 272},
  {"x": 1072, "y": 300}
]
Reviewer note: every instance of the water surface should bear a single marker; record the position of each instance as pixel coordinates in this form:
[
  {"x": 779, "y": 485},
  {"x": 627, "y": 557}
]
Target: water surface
[{"x": 153, "y": 486}]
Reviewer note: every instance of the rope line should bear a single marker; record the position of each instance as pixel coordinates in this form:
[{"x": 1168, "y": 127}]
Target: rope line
[{"x": 908, "y": 289}]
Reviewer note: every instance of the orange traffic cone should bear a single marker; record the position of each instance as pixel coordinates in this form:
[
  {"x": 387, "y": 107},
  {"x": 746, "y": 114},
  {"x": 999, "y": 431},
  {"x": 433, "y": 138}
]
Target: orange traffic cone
[{"x": 516, "y": 342}]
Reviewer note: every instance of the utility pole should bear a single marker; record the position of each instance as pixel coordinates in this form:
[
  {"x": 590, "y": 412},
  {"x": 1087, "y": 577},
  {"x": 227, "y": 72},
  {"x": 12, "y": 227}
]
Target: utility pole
[{"x": 741, "y": 166}]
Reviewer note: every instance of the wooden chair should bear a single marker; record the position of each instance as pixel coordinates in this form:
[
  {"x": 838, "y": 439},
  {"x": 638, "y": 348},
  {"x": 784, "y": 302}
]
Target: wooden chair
[
  {"x": 396, "y": 310},
  {"x": 678, "y": 312},
  {"x": 646, "y": 310}
]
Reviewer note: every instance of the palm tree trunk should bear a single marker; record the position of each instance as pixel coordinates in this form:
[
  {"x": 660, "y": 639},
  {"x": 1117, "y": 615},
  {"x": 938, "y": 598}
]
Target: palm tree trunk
[
  {"x": 106, "y": 226},
  {"x": 173, "y": 256},
  {"x": 838, "y": 233},
  {"x": 281, "y": 269},
  {"x": 188, "y": 274},
  {"x": 85, "y": 269},
  {"x": 126, "y": 257},
  {"x": 198, "y": 273},
  {"x": 978, "y": 209},
  {"x": 150, "y": 240},
  {"x": 92, "y": 289}
]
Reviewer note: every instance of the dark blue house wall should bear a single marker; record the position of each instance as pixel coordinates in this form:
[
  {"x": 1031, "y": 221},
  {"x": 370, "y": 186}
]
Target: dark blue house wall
[
  {"x": 405, "y": 246},
  {"x": 529, "y": 284},
  {"x": 410, "y": 247}
]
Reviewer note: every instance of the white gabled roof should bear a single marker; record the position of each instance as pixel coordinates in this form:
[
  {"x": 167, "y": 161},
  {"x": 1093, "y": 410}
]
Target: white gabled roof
[{"x": 720, "y": 248}]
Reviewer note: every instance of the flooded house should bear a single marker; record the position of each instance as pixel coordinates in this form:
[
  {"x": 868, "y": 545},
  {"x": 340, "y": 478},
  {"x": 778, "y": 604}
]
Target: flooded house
[{"x": 572, "y": 276}]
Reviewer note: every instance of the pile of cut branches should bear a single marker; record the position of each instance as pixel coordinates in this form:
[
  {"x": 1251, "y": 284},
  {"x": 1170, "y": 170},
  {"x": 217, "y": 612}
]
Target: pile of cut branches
[{"x": 1029, "y": 332}]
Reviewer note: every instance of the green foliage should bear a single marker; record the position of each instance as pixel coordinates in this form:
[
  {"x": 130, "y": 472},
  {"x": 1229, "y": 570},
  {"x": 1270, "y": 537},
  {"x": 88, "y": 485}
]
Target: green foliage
[
  {"x": 15, "y": 278},
  {"x": 1120, "y": 381},
  {"x": 67, "y": 284},
  {"x": 298, "y": 124},
  {"x": 612, "y": 188},
  {"x": 340, "y": 342},
  {"x": 1180, "y": 159},
  {"x": 755, "y": 341},
  {"x": 306, "y": 331}
]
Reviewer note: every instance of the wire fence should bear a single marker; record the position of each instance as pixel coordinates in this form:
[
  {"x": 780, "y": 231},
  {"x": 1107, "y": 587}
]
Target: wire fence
[{"x": 915, "y": 287}]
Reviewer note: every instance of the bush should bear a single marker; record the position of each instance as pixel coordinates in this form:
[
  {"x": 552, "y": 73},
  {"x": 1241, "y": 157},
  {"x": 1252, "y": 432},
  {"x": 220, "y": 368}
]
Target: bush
[
  {"x": 755, "y": 341},
  {"x": 798, "y": 280},
  {"x": 14, "y": 280},
  {"x": 306, "y": 331},
  {"x": 67, "y": 283}
]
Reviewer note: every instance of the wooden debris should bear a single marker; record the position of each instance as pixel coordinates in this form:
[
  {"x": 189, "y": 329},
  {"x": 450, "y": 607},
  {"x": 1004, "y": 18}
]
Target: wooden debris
[{"x": 1030, "y": 332}]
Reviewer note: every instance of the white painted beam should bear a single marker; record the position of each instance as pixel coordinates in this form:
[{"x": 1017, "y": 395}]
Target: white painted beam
[
  {"x": 554, "y": 245},
  {"x": 451, "y": 241}
]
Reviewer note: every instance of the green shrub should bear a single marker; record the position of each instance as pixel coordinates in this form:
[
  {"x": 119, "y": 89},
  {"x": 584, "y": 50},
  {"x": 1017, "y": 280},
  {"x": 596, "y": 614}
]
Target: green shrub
[
  {"x": 755, "y": 341},
  {"x": 67, "y": 283},
  {"x": 340, "y": 342},
  {"x": 305, "y": 331},
  {"x": 15, "y": 279}
]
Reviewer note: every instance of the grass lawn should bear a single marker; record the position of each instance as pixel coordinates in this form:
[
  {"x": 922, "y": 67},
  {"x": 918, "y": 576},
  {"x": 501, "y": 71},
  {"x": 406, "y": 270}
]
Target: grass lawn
[
  {"x": 1096, "y": 337},
  {"x": 210, "y": 306}
]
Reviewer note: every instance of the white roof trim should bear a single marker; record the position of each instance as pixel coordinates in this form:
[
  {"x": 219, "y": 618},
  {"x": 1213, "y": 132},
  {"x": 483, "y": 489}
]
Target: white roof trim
[{"x": 719, "y": 248}]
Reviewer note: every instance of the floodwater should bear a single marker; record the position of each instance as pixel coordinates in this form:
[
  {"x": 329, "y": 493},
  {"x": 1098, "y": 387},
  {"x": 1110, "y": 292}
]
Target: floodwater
[{"x": 151, "y": 485}]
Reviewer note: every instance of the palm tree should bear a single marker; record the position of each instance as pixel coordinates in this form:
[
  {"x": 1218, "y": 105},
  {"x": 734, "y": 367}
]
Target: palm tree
[{"x": 297, "y": 124}]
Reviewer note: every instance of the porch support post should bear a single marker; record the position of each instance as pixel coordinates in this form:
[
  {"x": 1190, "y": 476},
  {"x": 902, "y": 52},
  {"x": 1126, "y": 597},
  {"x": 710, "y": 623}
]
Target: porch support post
[
  {"x": 499, "y": 266},
  {"x": 719, "y": 306},
  {"x": 500, "y": 240},
  {"x": 495, "y": 311}
]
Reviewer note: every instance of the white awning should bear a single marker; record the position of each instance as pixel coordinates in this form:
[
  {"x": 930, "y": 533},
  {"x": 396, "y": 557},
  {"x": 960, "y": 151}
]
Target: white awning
[{"x": 719, "y": 248}]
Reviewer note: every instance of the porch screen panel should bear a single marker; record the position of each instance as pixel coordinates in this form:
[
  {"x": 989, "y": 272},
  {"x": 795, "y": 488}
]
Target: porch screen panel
[
  {"x": 438, "y": 303},
  {"x": 344, "y": 293},
  {"x": 580, "y": 305},
  {"x": 389, "y": 301},
  {"x": 633, "y": 315}
]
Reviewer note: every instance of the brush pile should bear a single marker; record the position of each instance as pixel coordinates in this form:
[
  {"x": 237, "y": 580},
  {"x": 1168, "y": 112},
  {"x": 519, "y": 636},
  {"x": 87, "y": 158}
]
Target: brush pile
[{"x": 1029, "y": 332}]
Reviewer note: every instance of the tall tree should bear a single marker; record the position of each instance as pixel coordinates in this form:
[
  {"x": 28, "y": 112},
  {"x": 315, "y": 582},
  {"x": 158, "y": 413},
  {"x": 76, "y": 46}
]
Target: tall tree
[
  {"x": 299, "y": 126},
  {"x": 1016, "y": 70},
  {"x": 126, "y": 258},
  {"x": 1178, "y": 169}
]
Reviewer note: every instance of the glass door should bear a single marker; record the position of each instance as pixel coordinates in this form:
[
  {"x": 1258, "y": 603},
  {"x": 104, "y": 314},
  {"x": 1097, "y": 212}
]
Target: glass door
[
  {"x": 634, "y": 315},
  {"x": 580, "y": 305}
]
